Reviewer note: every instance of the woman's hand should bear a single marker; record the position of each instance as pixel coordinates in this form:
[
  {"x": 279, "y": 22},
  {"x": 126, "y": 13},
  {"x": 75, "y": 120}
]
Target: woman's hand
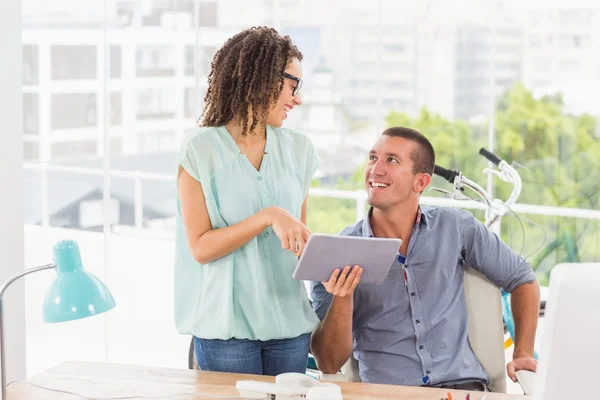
[{"x": 292, "y": 233}]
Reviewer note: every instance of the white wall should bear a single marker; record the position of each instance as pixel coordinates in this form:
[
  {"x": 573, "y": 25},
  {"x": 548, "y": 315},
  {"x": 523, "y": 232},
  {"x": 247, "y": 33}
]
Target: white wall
[{"x": 11, "y": 185}]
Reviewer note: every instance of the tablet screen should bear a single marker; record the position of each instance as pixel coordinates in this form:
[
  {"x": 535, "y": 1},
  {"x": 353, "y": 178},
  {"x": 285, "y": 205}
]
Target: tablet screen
[{"x": 324, "y": 254}]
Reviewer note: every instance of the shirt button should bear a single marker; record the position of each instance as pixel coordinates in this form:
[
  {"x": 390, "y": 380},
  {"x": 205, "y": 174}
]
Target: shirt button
[
  {"x": 428, "y": 372},
  {"x": 418, "y": 321},
  {"x": 421, "y": 348},
  {"x": 266, "y": 234},
  {"x": 259, "y": 178},
  {"x": 412, "y": 293}
]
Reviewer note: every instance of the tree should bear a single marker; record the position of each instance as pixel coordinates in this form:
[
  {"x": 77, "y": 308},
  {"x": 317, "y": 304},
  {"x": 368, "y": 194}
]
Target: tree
[{"x": 560, "y": 159}]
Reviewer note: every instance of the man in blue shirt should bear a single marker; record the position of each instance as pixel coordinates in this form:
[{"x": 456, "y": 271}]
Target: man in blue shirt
[{"x": 412, "y": 328}]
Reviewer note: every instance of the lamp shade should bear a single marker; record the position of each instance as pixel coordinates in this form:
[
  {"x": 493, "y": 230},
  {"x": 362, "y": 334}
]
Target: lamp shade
[{"x": 75, "y": 293}]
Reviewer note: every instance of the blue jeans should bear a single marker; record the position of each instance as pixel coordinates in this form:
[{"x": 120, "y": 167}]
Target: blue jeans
[{"x": 271, "y": 357}]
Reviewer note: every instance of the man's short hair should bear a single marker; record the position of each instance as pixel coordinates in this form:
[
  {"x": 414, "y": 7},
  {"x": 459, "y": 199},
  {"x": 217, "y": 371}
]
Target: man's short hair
[{"x": 423, "y": 156}]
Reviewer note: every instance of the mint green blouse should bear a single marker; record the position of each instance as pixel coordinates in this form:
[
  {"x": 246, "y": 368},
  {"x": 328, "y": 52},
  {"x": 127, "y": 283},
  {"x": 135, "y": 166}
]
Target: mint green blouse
[{"x": 250, "y": 293}]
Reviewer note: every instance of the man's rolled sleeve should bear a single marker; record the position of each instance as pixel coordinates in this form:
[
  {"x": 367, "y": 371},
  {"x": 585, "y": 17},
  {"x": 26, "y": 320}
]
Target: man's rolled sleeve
[
  {"x": 485, "y": 252},
  {"x": 321, "y": 299},
  {"x": 522, "y": 274}
]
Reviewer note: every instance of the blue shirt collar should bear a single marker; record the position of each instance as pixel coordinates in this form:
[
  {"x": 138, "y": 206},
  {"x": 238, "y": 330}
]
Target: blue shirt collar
[{"x": 366, "y": 225}]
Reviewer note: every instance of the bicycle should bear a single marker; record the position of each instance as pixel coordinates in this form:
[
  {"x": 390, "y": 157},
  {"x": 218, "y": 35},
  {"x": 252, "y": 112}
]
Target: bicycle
[{"x": 495, "y": 209}]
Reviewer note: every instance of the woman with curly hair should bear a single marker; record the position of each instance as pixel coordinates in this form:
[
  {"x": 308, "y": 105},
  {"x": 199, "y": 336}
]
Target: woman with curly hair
[{"x": 242, "y": 190}]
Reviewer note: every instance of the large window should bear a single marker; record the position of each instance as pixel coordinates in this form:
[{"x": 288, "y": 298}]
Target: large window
[{"x": 111, "y": 88}]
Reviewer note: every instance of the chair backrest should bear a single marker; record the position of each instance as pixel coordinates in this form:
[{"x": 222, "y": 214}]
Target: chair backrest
[
  {"x": 350, "y": 370},
  {"x": 485, "y": 330}
]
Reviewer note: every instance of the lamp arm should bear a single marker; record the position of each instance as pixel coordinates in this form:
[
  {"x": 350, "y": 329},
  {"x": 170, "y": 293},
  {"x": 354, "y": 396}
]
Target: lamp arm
[
  {"x": 2, "y": 289},
  {"x": 23, "y": 273}
]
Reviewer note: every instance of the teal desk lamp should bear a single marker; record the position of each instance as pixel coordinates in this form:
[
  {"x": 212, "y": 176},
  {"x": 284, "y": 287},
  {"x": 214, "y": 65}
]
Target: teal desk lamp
[{"x": 74, "y": 294}]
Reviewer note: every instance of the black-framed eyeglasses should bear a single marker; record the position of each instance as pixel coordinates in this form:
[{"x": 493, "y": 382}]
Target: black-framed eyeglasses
[{"x": 298, "y": 86}]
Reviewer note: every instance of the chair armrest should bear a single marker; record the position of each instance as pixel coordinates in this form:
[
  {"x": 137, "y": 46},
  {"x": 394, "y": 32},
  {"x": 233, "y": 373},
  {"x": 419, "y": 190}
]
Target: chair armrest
[
  {"x": 527, "y": 381},
  {"x": 332, "y": 377}
]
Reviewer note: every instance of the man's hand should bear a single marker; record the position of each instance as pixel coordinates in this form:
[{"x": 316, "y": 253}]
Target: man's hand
[
  {"x": 520, "y": 363},
  {"x": 342, "y": 284}
]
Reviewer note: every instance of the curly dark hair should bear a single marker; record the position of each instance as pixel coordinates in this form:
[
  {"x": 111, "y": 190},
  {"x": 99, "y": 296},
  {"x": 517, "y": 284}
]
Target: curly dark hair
[{"x": 246, "y": 74}]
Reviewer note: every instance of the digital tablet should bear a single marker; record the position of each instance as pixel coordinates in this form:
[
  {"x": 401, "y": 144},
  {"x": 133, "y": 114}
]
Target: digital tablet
[{"x": 324, "y": 254}]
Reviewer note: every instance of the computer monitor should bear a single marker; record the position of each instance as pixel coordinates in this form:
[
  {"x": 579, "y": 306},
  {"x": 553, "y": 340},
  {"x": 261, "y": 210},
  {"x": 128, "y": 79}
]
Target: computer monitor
[{"x": 569, "y": 360}]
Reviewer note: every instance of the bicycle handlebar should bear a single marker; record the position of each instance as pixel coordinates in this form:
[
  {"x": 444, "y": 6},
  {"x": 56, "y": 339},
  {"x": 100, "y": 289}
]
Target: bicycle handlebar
[
  {"x": 490, "y": 156},
  {"x": 496, "y": 208},
  {"x": 448, "y": 174}
]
